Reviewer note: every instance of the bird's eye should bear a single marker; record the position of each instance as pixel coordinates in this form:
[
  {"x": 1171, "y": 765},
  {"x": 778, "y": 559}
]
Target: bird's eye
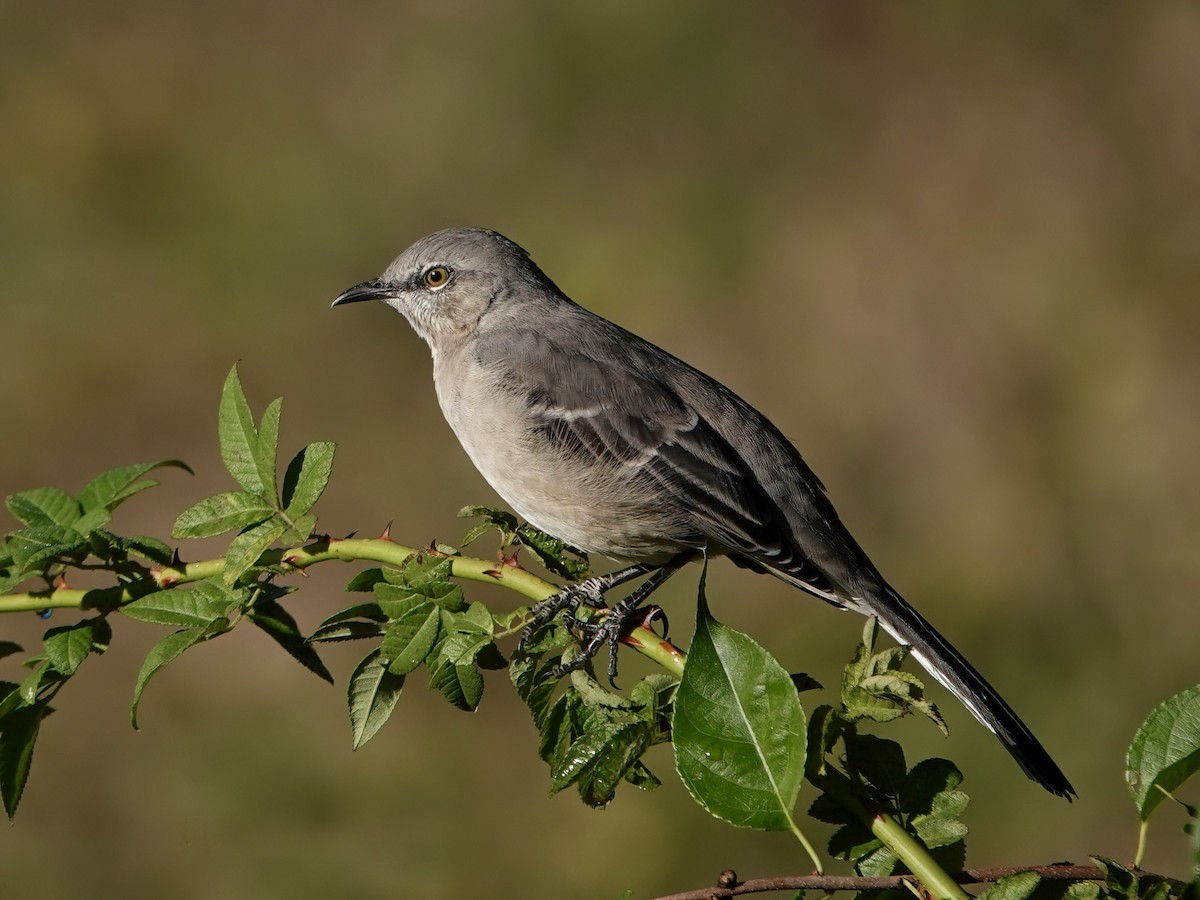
[{"x": 437, "y": 277}]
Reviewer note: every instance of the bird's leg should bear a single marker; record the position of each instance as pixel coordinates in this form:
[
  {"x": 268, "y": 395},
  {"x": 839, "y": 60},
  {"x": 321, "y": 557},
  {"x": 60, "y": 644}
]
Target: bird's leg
[
  {"x": 610, "y": 630},
  {"x": 590, "y": 590}
]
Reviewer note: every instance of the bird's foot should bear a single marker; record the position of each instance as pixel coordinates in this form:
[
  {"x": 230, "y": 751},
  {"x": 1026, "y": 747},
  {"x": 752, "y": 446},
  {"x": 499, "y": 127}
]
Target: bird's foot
[
  {"x": 611, "y": 630},
  {"x": 570, "y": 598}
]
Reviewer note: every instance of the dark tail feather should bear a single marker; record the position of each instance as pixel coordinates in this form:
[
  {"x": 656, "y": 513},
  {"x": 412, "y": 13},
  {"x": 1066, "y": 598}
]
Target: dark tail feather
[{"x": 949, "y": 667}]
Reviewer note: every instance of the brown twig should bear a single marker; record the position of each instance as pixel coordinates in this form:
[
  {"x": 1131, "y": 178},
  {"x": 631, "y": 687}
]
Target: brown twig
[{"x": 863, "y": 883}]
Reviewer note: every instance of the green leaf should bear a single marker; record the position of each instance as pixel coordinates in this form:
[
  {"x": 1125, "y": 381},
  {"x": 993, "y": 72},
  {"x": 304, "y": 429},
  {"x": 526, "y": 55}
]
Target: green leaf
[
  {"x": 192, "y": 607},
  {"x": 67, "y": 647},
  {"x": 346, "y": 624},
  {"x": 267, "y": 448},
  {"x": 351, "y": 630},
  {"x": 44, "y": 506},
  {"x": 1017, "y": 886},
  {"x": 110, "y": 489},
  {"x": 18, "y": 735},
  {"x": 504, "y": 522},
  {"x": 371, "y": 696},
  {"x": 245, "y": 549},
  {"x": 366, "y": 580},
  {"x": 738, "y": 728},
  {"x": 1165, "y": 752},
  {"x": 598, "y": 761},
  {"x": 461, "y": 684},
  {"x": 277, "y": 622},
  {"x": 220, "y": 513},
  {"x": 107, "y": 545},
  {"x": 878, "y": 761},
  {"x": 418, "y": 580},
  {"x": 42, "y": 675},
  {"x": 33, "y": 548},
  {"x": 556, "y": 555},
  {"x": 874, "y": 688},
  {"x": 240, "y": 449},
  {"x": 306, "y": 477},
  {"x": 161, "y": 655},
  {"x": 410, "y": 639}
]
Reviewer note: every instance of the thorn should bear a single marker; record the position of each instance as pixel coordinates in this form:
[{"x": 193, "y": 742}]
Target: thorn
[
  {"x": 176, "y": 561},
  {"x": 432, "y": 550},
  {"x": 493, "y": 573},
  {"x": 387, "y": 533},
  {"x": 511, "y": 561},
  {"x": 645, "y": 618},
  {"x": 60, "y": 583}
]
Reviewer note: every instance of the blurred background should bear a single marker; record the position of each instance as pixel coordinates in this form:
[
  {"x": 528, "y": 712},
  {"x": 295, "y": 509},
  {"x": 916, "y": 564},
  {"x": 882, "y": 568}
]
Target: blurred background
[{"x": 949, "y": 249}]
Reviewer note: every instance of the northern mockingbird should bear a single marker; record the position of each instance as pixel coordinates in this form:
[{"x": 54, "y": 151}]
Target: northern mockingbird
[{"x": 617, "y": 447}]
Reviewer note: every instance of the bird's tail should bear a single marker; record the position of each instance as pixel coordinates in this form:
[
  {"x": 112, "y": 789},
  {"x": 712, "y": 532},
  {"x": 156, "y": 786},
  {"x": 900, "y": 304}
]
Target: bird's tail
[{"x": 949, "y": 667}]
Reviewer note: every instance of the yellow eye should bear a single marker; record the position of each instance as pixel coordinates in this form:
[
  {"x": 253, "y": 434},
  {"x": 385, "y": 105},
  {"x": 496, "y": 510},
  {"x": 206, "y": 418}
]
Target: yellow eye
[{"x": 437, "y": 276}]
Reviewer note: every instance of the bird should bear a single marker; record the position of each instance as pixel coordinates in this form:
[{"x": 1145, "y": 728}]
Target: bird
[{"x": 615, "y": 446}]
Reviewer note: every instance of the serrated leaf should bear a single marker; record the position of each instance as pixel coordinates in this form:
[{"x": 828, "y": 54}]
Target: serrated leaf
[
  {"x": 937, "y": 831},
  {"x": 18, "y": 736},
  {"x": 105, "y": 544},
  {"x": 68, "y": 646},
  {"x": 41, "y": 673},
  {"x": 852, "y": 842},
  {"x": 240, "y": 441},
  {"x": 306, "y": 477},
  {"x": 410, "y": 639},
  {"x": 504, "y": 522},
  {"x": 32, "y": 548},
  {"x": 266, "y": 449},
  {"x": 197, "y": 606},
  {"x": 220, "y": 513},
  {"x": 556, "y": 555},
  {"x": 366, "y": 580},
  {"x": 161, "y": 655},
  {"x": 598, "y": 761},
  {"x": 931, "y": 786},
  {"x": 245, "y": 549},
  {"x": 1165, "y": 751},
  {"x": 642, "y": 778},
  {"x": 877, "y": 760},
  {"x": 278, "y": 623},
  {"x": 110, "y": 489},
  {"x": 300, "y": 529},
  {"x": 371, "y": 696},
  {"x": 397, "y": 601},
  {"x": 528, "y": 674},
  {"x": 357, "y": 611},
  {"x": 738, "y": 728},
  {"x": 877, "y": 863},
  {"x": 44, "y": 507},
  {"x": 462, "y": 685},
  {"x": 1017, "y": 886},
  {"x": 346, "y": 631}
]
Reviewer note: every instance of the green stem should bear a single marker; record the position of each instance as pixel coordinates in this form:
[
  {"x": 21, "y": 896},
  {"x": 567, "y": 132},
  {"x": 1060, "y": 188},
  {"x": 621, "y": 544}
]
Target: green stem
[
  {"x": 378, "y": 550},
  {"x": 911, "y": 851}
]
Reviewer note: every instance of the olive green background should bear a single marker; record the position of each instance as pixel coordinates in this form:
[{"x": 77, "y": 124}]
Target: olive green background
[{"x": 950, "y": 249}]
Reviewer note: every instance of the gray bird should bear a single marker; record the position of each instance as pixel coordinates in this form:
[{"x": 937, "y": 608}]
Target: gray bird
[{"x": 610, "y": 443}]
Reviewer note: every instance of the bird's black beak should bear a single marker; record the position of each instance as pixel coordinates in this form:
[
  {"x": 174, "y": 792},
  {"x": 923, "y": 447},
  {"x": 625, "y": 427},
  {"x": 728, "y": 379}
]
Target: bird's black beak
[{"x": 374, "y": 289}]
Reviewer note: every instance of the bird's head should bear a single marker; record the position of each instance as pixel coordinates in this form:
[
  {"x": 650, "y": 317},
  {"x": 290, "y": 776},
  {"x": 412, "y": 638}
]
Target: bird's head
[{"x": 446, "y": 282}]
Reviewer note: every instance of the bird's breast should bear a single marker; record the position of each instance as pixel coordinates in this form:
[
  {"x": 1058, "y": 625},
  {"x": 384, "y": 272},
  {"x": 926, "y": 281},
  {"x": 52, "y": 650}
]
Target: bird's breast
[{"x": 600, "y": 507}]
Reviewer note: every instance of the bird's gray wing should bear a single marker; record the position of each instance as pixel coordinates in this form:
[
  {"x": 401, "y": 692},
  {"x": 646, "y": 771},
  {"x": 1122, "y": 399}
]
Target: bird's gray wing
[{"x": 615, "y": 407}]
